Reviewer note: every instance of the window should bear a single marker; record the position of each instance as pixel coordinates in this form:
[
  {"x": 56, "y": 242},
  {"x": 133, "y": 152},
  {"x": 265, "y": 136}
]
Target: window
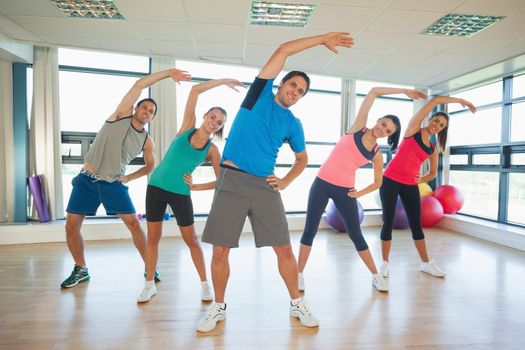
[
  {"x": 517, "y": 128},
  {"x": 480, "y": 190},
  {"x": 482, "y": 127},
  {"x": 484, "y": 95}
]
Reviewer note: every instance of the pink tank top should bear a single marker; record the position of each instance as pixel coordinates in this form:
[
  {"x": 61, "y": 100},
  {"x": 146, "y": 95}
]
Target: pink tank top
[
  {"x": 406, "y": 164},
  {"x": 348, "y": 155}
]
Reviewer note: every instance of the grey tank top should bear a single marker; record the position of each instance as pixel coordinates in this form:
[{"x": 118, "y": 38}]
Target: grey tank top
[{"x": 114, "y": 147}]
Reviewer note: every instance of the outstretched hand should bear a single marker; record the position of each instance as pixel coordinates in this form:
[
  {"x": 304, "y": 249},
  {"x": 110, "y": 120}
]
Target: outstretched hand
[
  {"x": 334, "y": 39},
  {"x": 469, "y": 105},
  {"x": 233, "y": 84},
  {"x": 179, "y": 75},
  {"x": 415, "y": 94}
]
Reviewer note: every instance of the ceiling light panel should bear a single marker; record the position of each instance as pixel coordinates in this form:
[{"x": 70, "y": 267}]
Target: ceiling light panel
[
  {"x": 102, "y": 9},
  {"x": 280, "y": 14},
  {"x": 463, "y": 25}
]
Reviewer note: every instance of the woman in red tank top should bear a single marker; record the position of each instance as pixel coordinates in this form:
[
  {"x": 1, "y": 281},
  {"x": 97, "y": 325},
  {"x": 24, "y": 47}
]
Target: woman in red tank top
[{"x": 402, "y": 177}]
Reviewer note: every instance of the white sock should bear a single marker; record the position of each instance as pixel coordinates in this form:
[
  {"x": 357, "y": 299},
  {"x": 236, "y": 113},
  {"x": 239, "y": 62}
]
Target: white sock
[
  {"x": 296, "y": 301},
  {"x": 221, "y": 305},
  {"x": 149, "y": 283},
  {"x": 204, "y": 282}
]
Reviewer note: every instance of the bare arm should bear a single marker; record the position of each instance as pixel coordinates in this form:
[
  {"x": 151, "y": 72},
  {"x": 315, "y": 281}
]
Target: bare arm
[
  {"x": 275, "y": 64},
  {"x": 215, "y": 157},
  {"x": 362, "y": 115},
  {"x": 415, "y": 122},
  {"x": 125, "y": 107},
  {"x": 149, "y": 163},
  {"x": 433, "y": 169},
  {"x": 377, "y": 164},
  {"x": 301, "y": 160},
  {"x": 189, "y": 112}
]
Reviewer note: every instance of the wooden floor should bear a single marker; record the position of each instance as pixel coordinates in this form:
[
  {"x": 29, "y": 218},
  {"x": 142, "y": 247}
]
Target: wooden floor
[{"x": 479, "y": 305}]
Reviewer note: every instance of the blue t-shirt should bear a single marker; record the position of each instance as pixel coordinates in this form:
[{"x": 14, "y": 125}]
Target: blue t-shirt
[{"x": 259, "y": 130}]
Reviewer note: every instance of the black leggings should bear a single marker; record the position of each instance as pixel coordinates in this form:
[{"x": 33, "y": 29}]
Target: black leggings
[{"x": 409, "y": 195}]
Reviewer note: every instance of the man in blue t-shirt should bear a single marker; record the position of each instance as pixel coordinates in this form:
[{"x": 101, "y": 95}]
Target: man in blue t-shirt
[{"x": 247, "y": 185}]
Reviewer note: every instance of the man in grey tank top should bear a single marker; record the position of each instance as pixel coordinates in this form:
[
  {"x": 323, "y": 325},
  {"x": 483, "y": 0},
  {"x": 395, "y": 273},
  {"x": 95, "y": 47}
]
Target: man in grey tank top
[{"x": 102, "y": 178}]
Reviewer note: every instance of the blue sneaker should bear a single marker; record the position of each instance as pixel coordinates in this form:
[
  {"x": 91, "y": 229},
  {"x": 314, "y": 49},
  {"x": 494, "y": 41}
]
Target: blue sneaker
[{"x": 78, "y": 275}]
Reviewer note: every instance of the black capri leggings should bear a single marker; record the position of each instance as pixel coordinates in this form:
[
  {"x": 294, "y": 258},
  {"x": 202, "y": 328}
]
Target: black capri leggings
[
  {"x": 409, "y": 195},
  {"x": 320, "y": 192}
]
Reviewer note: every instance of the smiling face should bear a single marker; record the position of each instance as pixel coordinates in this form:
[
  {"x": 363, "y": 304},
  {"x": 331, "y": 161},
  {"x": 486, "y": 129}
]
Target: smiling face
[
  {"x": 213, "y": 121},
  {"x": 144, "y": 112},
  {"x": 436, "y": 124},
  {"x": 384, "y": 128},
  {"x": 291, "y": 91}
]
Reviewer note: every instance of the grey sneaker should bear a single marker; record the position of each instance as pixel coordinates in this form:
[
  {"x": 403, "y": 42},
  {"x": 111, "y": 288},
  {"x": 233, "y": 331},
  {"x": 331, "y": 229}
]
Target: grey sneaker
[
  {"x": 303, "y": 313},
  {"x": 147, "y": 293},
  {"x": 215, "y": 314},
  {"x": 78, "y": 275},
  {"x": 380, "y": 283},
  {"x": 431, "y": 268}
]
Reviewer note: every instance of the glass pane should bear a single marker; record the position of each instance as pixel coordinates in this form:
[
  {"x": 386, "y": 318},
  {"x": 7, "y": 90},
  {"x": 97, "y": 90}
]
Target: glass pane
[
  {"x": 319, "y": 82},
  {"x": 69, "y": 171},
  {"x": 364, "y": 86},
  {"x": 216, "y": 71},
  {"x": 87, "y": 100},
  {"x": 295, "y": 196},
  {"x": 103, "y": 60},
  {"x": 365, "y": 177},
  {"x": 517, "y": 159},
  {"x": 317, "y": 154},
  {"x": 516, "y": 210},
  {"x": 459, "y": 159},
  {"x": 482, "y": 127},
  {"x": 71, "y": 149},
  {"x": 320, "y": 114},
  {"x": 137, "y": 191},
  {"x": 518, "y": 86},
  {"x": 402, "y": 109},
  {"x": 486, "y": 159},
  {"x": 480, "y": 96},
  {"x": 480, "y": 190},
  {"x": 202, "y": 199},
  {"x": 517, "y": 126}
]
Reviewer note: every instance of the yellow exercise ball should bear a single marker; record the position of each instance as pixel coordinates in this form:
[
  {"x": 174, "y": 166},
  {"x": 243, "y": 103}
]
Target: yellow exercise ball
[{"x": 425, "y": 189}]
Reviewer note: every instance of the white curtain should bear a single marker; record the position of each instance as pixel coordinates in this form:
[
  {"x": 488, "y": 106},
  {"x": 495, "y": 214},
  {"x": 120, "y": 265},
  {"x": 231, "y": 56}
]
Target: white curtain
[
  {"x": 45, "y": 140},
  {"x": 6, "y": 142},
  {"x": 348, "y": 103},
  {"x": 164, "y": 126}
]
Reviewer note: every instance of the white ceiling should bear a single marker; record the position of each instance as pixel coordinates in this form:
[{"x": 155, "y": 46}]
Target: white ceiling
[{"x": 387, "y": 44}]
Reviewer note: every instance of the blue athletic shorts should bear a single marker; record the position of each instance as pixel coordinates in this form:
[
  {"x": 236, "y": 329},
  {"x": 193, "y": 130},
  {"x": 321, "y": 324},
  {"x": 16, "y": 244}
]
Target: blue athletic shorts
[{"x": 89, "y": 192}]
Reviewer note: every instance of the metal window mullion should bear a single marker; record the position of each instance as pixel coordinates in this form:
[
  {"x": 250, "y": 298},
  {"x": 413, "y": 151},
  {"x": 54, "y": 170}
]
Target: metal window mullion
[{"x": 503, "y": 202}]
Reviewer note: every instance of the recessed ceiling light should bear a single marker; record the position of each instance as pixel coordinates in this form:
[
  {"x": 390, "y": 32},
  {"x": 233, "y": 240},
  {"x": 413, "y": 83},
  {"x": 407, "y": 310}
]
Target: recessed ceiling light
[
  {"x": 103, "y": 9},
  {"x": 280, "y": 14},
  {"x": 456, "y": 24}
]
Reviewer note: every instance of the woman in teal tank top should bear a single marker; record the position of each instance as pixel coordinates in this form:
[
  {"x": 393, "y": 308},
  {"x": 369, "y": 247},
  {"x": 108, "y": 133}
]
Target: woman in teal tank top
[{"x": 171, "y": 183}]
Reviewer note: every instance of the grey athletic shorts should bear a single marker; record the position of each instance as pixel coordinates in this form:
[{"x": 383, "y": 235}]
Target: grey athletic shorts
[{"x": 237, "y": 195}]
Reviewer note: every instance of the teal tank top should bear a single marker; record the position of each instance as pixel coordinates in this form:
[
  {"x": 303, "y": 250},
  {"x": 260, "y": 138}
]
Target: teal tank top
[{"x": 181, "y": 158}]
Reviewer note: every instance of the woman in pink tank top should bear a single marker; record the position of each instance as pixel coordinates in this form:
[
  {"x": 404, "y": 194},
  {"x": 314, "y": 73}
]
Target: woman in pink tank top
[
  {"x": 402, "y": 177},
  {"x": 336, "y": 179}
]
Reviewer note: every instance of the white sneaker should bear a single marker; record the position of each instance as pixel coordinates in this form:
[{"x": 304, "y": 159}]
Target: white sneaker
[
  {"x": 380, "y": 283},
  {"x": 384, "y": 270},
  {"x": 206, "y": 294},
  {"x": 147, "y": 293},
  {"x": 431, "y": 268},
  {"x": 215, "y": 314},
  {"x": 301, "y": 282},
  {"x": 304, "y": 314}
]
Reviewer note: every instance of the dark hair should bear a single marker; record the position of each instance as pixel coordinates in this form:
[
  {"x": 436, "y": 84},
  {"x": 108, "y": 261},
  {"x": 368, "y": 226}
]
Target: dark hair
[
  {"x": 297, "y": 73},
  {"x": 148, "y": 99},
  {"x": 218, "y": 133},
  {"x": 442, "y": 135},
  {"x": 393, "y": 139}
]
